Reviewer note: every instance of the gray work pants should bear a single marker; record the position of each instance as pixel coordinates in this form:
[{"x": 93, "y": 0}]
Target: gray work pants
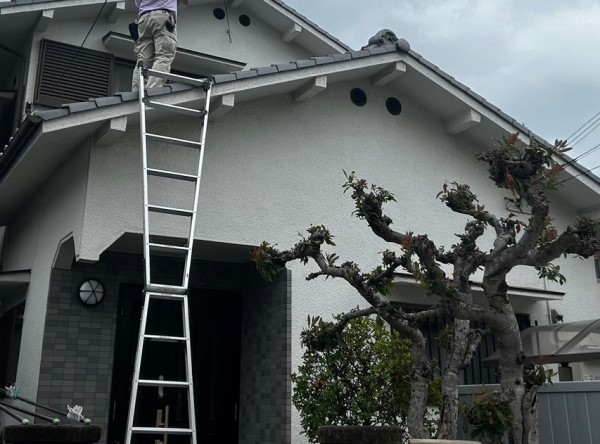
[{"x": 155, "y": 47}]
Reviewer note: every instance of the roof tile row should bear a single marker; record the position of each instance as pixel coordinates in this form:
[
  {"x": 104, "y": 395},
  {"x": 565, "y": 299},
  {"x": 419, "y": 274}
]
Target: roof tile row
[{"x": 128, "y": 96}]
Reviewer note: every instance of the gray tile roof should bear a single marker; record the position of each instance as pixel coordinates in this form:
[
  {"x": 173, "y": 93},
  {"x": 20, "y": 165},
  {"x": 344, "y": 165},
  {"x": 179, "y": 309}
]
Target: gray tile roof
[
  {"x": 129, "y": 96},
  {"x": 277, "y": 68}
]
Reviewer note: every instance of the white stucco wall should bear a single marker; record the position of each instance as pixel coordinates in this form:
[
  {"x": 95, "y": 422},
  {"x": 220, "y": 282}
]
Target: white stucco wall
[
  {"x": 273, "y": 167},
  {"x": 32, "y": 239}
]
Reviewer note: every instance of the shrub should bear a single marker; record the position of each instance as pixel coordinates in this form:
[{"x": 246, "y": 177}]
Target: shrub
[
  {"x": 358, "y": 377},
  {"x": 489, "y": 415}
]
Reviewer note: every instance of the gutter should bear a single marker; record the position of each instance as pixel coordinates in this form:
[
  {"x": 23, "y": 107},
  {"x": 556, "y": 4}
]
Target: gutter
[{"x": 16, "y": 144}]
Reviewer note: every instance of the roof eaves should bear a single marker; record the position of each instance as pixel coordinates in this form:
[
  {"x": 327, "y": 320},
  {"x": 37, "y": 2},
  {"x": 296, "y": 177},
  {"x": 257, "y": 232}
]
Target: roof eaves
[
  {"x": 11, "y": 151},
  {"x": 522, "y": 128},
  {"x": 312, "y": 24}
]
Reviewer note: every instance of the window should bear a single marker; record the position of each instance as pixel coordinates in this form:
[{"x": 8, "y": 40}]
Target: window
[
  {"x": 597, "y": 265},
  {"x": 68, "y": 74}
]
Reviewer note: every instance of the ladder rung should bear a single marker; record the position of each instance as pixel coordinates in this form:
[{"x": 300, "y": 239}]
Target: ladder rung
[
  {"x": 177, "y": 78},
  {"x": 160, "y": 383},
  {"x": 177, "y": 109},
  {"x": 166, "y": 296},
  {"x": 163, "y": 291},
  {"x": 173, "y": 140},
  {"x": 164, "y": 248},
  {"x": 159, "y": 338},
  {"x": 171, "y": 175},
  {"x": 170, "y": 210},
  {"x": 161, "y": 430}
]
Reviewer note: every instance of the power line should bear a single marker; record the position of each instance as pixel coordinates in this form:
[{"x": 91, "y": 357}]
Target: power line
[
  {"x": 586, "y": 133},
  {"x": 587, "y": 153},
  {"x": 580, "y": 174},
  {"x": 582, "y": 126}
]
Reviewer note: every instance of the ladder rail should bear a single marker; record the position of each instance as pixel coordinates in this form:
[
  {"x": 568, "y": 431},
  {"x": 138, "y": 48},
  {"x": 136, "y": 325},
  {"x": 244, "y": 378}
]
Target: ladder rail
[
  {"x": 188, "y": 261},
  {"x": 188, "y": 369},
  {"x": 146, "y": 229},
  {"x": 136, "y": 369}
]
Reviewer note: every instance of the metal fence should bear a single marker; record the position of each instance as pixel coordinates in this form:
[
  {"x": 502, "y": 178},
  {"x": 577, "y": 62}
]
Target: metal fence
[{"x": 569, "y": 412}]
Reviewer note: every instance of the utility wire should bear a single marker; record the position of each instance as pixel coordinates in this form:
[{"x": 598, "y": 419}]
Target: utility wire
[
  {"x": 58, "y": 82},
  {"x": 581, "y": 133},
  {"x": 586, "y": 133},
  {"x": 574, "y": 160},
  {"x": 582, "y": 126},
  {"x": 580, "y": 174}
]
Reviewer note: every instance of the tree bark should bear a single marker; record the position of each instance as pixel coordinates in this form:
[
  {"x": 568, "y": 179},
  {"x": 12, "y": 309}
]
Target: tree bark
[
  {"x": 419, "y": 390},
  {"x": 448, "y": 422},
  {"x": 530, "y": 416},
  {"x": 511, "y": 371}
]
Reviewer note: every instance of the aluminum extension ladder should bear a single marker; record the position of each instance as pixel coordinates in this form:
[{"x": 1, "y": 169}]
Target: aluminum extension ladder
[{"x": 152, "y": 290}]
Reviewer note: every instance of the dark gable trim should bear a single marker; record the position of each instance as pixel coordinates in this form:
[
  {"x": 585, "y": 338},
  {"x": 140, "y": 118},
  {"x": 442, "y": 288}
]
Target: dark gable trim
[{"x": 68, "y": 74}]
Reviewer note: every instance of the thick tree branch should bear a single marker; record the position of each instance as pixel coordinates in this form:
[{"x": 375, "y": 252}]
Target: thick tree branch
[
  {"x": 354, "y": 314},
  {"x": 569, "y": 242},
  {"x": 537, "y": 223},
  {"x": 422, "y": 315},
  {"x": 474, "y": 338}
]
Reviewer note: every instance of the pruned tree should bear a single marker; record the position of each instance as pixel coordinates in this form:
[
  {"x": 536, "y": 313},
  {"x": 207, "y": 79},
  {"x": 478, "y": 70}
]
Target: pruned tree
[{"x": 528, "y": 172}]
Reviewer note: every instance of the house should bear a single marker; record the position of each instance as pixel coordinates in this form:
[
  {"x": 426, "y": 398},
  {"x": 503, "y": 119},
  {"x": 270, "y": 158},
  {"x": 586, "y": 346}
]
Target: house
[{"x": 279, "y": 137}]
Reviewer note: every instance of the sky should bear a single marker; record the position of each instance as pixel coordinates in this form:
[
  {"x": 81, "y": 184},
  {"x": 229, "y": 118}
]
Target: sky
[{"x": 537, "y": 60}]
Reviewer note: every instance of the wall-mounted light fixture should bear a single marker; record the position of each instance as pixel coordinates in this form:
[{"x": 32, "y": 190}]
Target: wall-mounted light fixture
[{"x": 91, "y": 292}]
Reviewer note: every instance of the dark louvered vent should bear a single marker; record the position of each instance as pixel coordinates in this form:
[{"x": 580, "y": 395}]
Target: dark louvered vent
[{"x": 69, "y": 74}]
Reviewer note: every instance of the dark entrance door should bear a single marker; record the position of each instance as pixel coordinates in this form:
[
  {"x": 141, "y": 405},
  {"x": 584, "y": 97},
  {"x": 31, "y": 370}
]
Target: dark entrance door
[{"x": 215, "y": 324}]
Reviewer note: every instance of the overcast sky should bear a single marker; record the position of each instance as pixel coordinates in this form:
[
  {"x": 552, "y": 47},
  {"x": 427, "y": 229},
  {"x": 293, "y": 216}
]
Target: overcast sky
[{"x": 537, "y": 60}]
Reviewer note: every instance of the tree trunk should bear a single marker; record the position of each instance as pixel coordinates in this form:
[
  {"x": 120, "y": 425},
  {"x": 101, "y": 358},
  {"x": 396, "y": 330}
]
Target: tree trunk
[
  {"x": 530, "y": 415},
  {"x": 448, "y": 422},
  {"x": 511, "y": 374},
  {"x": 419, "y": 389}
]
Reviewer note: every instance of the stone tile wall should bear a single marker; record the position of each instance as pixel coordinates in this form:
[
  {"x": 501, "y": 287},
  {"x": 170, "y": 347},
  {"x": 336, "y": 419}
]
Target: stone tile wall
[{"x": 78, "y": 350}]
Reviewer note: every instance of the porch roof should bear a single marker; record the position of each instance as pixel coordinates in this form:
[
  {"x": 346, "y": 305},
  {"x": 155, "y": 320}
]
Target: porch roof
[{"x": 557, "y": 343}]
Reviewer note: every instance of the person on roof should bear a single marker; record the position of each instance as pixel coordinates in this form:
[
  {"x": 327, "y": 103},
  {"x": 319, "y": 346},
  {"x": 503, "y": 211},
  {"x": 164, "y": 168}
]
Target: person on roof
[{"x": 156, "y": 41}]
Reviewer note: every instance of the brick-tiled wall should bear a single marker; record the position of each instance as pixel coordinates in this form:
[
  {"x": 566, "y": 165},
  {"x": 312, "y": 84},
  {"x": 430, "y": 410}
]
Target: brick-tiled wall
[
  {"x": 265, "y": 387},
  {"x": 78, "y": 350}
]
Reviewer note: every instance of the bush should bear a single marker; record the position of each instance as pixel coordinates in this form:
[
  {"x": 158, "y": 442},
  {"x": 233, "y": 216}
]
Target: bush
[
  {"x": 358, "y": 377},
  {"x": 489, "y": 415}
]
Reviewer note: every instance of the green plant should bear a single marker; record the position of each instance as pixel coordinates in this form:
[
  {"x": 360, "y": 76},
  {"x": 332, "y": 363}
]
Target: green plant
[
  {"x": 360, "y": 376},
  {"x": 535, "y": 374},
  {"x": 489, "y": 415}
]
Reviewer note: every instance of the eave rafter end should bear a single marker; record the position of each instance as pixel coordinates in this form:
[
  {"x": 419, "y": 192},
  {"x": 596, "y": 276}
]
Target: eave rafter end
[
  {"x": 310, "y": 89},
  {"x": 462, "y": 122},
  {"x": 291, "y": 33},
  {"x": 222, "y": 105},
  {"x": 111, "y": 131},
  {"x": 46, "y": 17},
  {"x": 116, "y": 11},
  {"x": 389, "y": 73}
]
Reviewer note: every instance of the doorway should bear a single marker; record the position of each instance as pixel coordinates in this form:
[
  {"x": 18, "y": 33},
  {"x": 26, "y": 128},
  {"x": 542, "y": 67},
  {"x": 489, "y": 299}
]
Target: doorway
[{"x": 215, "y": 328}]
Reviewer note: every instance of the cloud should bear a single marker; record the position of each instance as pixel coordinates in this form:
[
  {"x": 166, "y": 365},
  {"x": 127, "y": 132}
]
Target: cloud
[{"x": 537, "y": 60}]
